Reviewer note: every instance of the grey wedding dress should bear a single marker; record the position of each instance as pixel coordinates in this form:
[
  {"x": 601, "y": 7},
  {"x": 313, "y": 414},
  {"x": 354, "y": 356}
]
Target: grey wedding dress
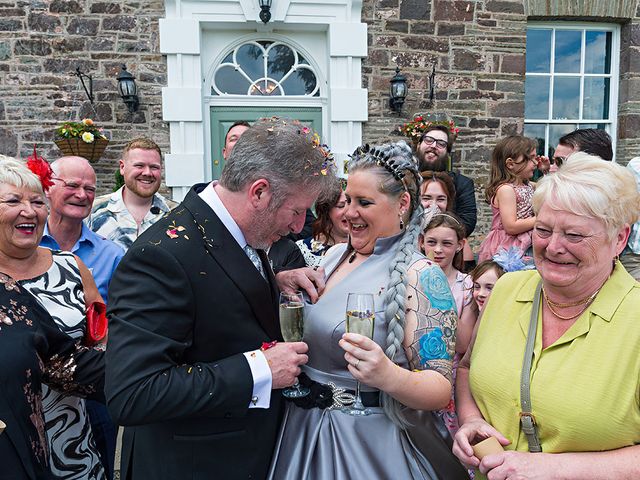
[{"x": 326, "y": 444}]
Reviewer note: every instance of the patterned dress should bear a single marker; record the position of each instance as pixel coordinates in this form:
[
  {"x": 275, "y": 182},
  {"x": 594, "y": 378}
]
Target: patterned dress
[
  {"x": 33, "y": 351},
  {"x": 73, "y": 454},
  {"x": 497, "y": 237},
  {"x": 313, "y": 251}
]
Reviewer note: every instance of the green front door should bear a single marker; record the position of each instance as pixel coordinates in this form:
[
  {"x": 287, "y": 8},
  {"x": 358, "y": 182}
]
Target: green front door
[{"x": 223, "y": 117}]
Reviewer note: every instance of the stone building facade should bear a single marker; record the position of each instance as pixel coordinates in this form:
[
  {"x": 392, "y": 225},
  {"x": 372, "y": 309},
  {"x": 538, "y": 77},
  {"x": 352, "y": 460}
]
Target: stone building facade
[{"x": 477, "y": 47}]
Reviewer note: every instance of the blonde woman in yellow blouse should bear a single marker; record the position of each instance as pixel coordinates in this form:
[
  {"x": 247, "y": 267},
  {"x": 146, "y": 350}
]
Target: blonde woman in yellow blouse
[{"x": 585, "y": 367}]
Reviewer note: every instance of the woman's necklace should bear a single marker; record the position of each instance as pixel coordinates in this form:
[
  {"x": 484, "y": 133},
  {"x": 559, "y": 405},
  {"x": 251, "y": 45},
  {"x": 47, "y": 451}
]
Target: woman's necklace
[
  {"x": 355, "y": 253},
  {"x": 570, "y": 304},
  {"x": 586, "y": 301}
]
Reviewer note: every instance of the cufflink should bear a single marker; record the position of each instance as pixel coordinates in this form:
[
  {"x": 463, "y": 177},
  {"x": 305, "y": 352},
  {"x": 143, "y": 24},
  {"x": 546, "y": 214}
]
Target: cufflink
[{"x": 254, "y": 400}]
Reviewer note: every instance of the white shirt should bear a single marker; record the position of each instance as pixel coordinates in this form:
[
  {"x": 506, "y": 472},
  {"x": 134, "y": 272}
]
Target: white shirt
[{"x": 261, "y": 396}]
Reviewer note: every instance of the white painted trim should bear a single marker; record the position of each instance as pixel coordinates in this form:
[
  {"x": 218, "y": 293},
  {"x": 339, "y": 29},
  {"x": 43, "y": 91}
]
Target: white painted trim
[
  {"x": 179, "y": 36},
  {"x": 186, "y": 99}
]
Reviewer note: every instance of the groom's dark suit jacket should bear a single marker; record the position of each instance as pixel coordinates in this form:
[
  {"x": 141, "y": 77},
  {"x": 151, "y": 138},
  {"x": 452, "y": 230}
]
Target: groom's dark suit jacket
[{"x": 182, "y": 310}]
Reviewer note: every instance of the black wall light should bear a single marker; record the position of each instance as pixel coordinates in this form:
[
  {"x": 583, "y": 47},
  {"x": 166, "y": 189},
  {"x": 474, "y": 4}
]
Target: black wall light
[
  {"x": 265, "y": 10},
  {"x": 128, "y": 89},
  {"x": 398, "y": 91}
]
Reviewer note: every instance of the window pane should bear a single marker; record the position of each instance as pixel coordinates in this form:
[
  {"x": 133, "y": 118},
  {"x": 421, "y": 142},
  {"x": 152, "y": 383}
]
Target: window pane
[
  {"x": 265, "y": 87},
  {"x": 230, "y": 81},
  {"x": 250, "y": 59},
  {"x": 536, "y": 131},
  {"x": 597, "y": 57},
  {"x": 596, "y": 98},
  {"x": 566, "y": 97},
  {"x": 557, "y": 131},
  {"x": 568, "y": 46},
  {"x": 536, "y": 97},
  {"x": 281, "y": 59},
  {"x": 300, "y": 82},
  {"x": 538, "y": 51},
  {"x": 601, "y": 126}
]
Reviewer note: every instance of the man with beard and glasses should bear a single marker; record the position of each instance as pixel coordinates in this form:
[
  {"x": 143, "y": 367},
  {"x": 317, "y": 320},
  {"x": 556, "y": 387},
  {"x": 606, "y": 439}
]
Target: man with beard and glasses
[
  {"x": 433, "y": 151},
  {"x": 193, "y": 369},
  {"x": 123, "y": 215}
]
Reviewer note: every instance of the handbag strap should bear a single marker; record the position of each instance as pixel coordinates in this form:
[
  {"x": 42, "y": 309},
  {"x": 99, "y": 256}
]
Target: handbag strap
[{"x": 527, "y": 420}]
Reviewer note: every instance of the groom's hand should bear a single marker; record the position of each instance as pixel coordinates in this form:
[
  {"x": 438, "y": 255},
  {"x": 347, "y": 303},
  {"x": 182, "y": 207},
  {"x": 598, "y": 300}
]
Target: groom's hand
[
  {"x": 284, "y": 360},
  {"x": 311, "y": 280}
]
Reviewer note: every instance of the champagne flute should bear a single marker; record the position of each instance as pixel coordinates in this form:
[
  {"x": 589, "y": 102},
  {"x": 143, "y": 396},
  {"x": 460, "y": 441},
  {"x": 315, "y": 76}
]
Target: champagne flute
[
  {"x": 292, "y": 328},
  {"x": 360, "y": 319}
]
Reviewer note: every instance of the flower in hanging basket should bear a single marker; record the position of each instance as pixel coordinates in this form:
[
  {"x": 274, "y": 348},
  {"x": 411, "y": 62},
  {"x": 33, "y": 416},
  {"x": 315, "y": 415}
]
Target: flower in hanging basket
[{"x": 82, "y": 138}]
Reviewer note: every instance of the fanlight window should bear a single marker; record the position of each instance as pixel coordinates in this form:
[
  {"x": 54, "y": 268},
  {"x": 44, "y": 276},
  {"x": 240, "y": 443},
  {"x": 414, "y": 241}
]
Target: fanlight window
[{"x": 265, "y": 68}]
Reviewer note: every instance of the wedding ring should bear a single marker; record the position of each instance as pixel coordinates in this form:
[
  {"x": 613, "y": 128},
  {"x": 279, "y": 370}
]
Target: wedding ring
[{"x": 357, "y": 363}]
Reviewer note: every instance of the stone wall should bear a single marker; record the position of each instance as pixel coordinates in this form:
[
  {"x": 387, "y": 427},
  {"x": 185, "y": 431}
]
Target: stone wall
[
  {"x": 41, "y": 44},
  {"x": 476, "y": 46},
  {"x": 478, "y": 49}
]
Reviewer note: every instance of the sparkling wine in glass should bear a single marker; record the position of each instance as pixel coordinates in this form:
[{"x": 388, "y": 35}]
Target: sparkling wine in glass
[
  {"x": 292, "y": 328},
  {"x": 360, "y": 318}
]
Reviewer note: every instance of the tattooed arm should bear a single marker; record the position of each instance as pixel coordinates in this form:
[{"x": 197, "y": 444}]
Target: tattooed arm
[{"x": 429, "y": 345}]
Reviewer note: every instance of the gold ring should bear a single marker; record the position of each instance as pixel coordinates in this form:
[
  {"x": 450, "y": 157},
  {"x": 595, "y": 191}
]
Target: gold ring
[{"x": 357, "y": 363}]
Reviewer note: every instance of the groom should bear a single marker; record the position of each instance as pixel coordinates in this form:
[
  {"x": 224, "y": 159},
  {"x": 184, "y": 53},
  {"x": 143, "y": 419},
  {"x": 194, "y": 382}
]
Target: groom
[{"x": 190, "y": 306}]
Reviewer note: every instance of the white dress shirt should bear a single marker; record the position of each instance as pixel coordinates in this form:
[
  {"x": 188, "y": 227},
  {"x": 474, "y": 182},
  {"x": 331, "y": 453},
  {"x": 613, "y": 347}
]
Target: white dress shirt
[{"x": 261, "y": 396}]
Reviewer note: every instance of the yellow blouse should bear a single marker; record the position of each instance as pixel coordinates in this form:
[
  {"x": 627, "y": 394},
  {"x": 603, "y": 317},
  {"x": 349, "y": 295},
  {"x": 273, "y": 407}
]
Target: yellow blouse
[{"x": 585, "y": 387}]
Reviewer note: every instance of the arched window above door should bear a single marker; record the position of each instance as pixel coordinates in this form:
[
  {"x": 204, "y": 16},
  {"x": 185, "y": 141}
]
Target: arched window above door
[{"x": 264, "y": 68}]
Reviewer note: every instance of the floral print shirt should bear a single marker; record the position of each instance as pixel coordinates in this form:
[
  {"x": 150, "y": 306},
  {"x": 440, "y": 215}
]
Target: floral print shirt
[{"x": 111, "y": 219}]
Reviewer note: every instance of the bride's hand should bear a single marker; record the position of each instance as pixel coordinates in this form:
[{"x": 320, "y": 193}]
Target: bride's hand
[{"x": 366, "y": 361}]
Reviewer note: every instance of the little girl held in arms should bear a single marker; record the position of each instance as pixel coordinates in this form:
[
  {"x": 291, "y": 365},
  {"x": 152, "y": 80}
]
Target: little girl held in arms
[{"x": 509, "y": 193}]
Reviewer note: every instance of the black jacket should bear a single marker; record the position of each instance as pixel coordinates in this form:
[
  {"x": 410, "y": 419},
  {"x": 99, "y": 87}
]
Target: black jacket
[
  {"x": 465, "y": 201},
  {"x": 182, "y": 311}
]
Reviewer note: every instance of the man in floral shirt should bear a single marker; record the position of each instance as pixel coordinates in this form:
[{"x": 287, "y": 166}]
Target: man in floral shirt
[{"x": 124, "y": 214}]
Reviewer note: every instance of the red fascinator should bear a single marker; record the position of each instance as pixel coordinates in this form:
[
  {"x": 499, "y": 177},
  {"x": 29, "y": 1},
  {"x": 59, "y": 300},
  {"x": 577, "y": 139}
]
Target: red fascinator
[{"x": 41, "y": 168}]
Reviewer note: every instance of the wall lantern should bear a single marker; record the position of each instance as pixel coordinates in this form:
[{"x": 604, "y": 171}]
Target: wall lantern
[
  {"x": 265, "y": 10},
  {"x": 398, "y": 91},
  {"x": 128, "y": 89}
]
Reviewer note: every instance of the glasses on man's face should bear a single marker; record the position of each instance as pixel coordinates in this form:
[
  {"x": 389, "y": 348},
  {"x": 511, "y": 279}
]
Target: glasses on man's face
[
  {"x": 430, "y": 141},
  {"x": 74, "y": 186},
  {"x": 558, "y": 160}
]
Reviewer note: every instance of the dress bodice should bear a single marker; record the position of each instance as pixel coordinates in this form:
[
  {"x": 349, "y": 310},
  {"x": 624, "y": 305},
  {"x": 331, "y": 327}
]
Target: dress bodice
[{"x": 325, "y": 320}]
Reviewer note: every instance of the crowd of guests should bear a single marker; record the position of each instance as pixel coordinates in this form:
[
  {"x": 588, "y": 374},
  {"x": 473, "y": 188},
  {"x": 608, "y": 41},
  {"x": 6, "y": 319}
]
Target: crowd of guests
[{"x": 195, "y": 357}]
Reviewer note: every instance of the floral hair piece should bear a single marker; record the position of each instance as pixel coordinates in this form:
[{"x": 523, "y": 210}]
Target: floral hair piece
[
  {"x": 41, "y": 168},
  {"x": 420, "y": 125},
  {"x": 513, "y": 260}
]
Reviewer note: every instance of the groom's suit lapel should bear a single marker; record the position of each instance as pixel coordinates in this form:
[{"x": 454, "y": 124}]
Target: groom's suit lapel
[{"x": 224, "y": 249}]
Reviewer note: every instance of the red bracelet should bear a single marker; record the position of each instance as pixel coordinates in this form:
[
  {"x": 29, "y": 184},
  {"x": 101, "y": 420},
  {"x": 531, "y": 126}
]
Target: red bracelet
[{"x": 268, "y": 345}]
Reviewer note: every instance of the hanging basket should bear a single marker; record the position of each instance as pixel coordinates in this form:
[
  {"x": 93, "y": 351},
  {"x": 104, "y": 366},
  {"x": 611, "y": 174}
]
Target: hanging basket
[{"x": 79, "y": 148}]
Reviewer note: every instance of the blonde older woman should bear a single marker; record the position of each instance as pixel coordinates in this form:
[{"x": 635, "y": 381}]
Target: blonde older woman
[
  {"x": 47, "y": 435},
  {"x": 582, "y": 417}
]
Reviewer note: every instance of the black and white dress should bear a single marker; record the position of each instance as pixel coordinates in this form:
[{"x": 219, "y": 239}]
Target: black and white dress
[{"x": 73, "y": 454}]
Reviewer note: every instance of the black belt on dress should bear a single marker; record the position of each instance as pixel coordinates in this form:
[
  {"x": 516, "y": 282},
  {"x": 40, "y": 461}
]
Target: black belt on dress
[{"x": 330, "y": 396}]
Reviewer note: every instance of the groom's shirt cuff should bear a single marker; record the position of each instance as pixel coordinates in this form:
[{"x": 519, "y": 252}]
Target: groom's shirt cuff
[{"x": 261, "y": 396}]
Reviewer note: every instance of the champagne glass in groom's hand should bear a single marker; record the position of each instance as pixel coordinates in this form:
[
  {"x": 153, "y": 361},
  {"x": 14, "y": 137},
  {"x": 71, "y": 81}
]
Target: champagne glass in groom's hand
[{"x": 292, "y": 328}]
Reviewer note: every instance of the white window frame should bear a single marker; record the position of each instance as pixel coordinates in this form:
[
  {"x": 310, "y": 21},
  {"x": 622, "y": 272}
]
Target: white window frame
[{"x": 611, "y": 124}]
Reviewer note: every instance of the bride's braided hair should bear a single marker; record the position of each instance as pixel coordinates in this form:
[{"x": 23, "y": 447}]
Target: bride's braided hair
[{"x": 398, "y": 174}]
